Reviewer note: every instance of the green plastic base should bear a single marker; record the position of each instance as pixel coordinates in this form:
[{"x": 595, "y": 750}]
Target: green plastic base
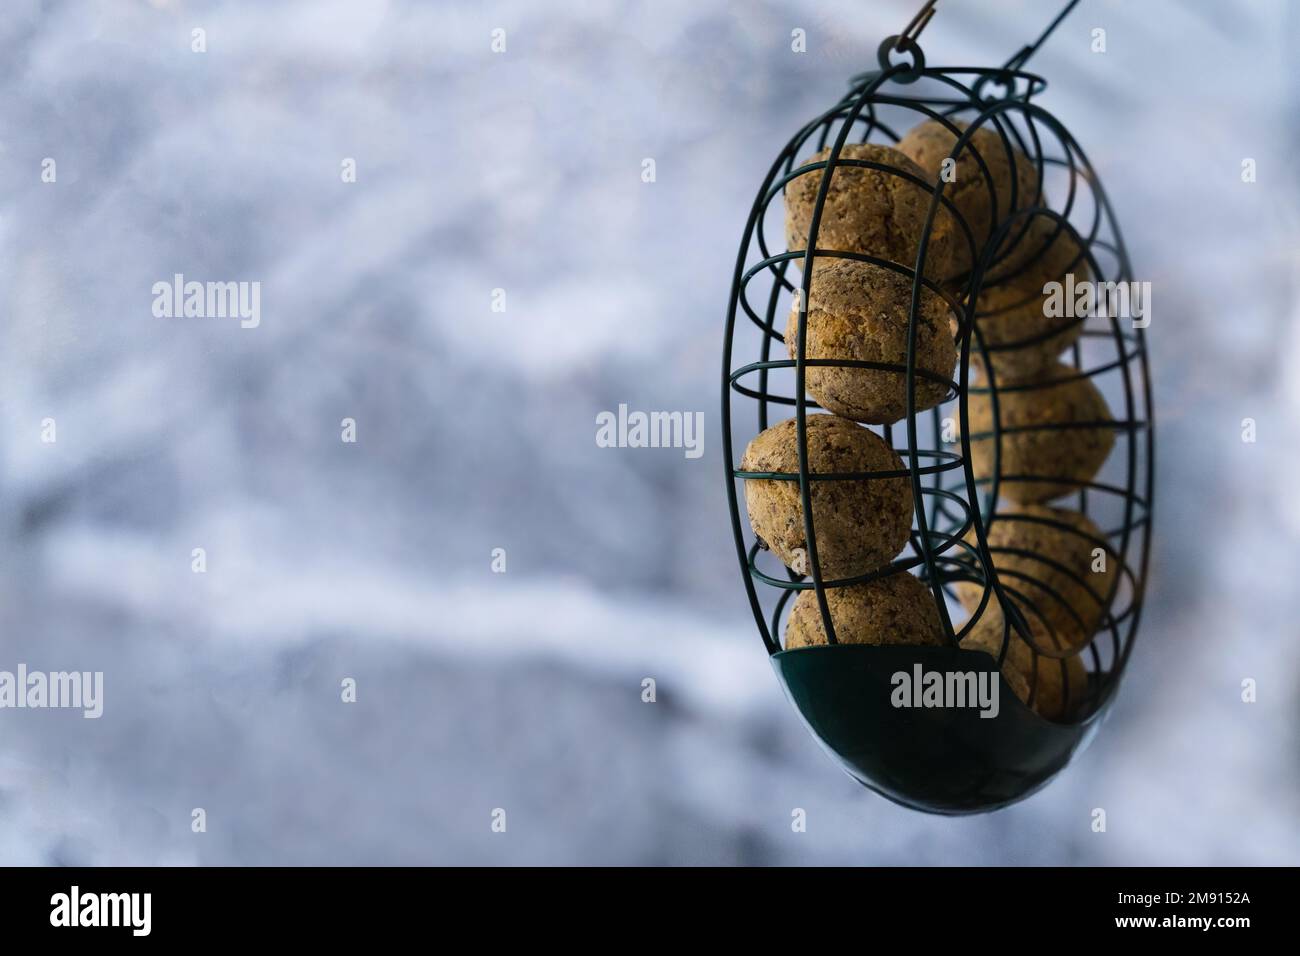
[{"x": 941, "y": 760}]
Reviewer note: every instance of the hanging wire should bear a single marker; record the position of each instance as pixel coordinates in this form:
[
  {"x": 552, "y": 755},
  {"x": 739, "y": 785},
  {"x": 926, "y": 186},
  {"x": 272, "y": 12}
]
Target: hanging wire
[
  {"x": 1022, "y": 57},
  {"x": 918, "y": 23},
  {"x": 912, "y": 33}
]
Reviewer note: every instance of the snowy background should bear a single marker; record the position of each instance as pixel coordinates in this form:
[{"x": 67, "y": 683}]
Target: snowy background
[{"x": 521, "y": 171}]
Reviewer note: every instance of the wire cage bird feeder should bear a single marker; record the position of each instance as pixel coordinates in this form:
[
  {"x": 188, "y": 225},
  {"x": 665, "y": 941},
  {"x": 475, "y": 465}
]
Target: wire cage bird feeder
[{"x": 1001, "y": 501}]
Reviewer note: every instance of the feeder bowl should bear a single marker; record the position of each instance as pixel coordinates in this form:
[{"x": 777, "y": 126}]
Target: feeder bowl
[{"x": 941, "y": 760}]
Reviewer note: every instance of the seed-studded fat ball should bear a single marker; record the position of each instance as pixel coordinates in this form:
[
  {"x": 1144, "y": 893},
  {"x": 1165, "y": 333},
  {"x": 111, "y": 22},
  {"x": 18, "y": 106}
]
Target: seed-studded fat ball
[
  {"x": 1033, "y": 676},
  {"x": 930, "y": 143},
  {"x": 1045, "y": 561},
  {"x": 869, "y": 211},
  {"x": 1014, "y": 311},
  {"x": 1041, "y": 238},
  {"x": 1040, "y": 459},
  {"x": 859, "y": 311},
  {"x": 897, "y": 609},
  {"x": 860, "y": 524}
]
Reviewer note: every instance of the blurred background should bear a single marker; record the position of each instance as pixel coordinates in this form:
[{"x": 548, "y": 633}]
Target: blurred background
[{"x": 521, "y": 171}]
